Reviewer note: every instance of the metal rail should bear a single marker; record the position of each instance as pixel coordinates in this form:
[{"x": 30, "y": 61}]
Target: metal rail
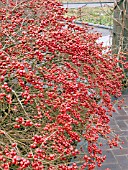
[
  {"x": 80, "y": 3},
  {"x": 95, "y": 25}
]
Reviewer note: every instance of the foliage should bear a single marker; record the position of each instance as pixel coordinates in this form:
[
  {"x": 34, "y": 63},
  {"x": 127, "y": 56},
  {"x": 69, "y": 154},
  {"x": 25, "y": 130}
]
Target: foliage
[{"x": 55, "y": 87}]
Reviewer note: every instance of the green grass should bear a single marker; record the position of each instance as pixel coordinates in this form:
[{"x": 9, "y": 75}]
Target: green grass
[{"x": 96, "y": 15}]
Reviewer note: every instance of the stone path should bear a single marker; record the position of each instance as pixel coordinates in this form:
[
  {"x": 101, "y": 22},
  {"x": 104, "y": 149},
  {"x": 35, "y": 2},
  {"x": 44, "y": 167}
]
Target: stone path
[{"x": 117, "y": 159}]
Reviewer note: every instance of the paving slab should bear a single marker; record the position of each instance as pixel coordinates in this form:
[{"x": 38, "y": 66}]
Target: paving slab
[
  {"x": 111, "y": 166},
  {"x": 116, "y": 158}
]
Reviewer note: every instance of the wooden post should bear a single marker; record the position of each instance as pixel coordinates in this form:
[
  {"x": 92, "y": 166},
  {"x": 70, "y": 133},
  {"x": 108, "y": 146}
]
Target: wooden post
[{"x": 120, "y": 29}]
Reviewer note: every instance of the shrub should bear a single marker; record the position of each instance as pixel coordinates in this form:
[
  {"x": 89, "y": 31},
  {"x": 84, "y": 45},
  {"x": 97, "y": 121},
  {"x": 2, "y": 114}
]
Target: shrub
[{"x": 55, "y": 88}]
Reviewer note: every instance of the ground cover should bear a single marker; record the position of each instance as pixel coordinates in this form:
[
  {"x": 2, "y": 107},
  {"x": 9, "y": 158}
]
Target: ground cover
[{"x": 99, "y": 15}]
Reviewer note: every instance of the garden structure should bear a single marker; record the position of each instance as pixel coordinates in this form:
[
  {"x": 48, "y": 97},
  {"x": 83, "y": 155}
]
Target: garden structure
[{"x": 120, "y": 30}]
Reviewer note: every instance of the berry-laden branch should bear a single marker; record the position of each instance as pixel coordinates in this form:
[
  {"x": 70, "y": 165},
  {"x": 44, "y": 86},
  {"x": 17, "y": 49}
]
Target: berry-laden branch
[{"x": 55, "y": 89}]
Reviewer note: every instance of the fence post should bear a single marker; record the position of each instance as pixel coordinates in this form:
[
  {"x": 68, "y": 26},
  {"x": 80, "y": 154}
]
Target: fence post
[
  {"x": 67, "y": 4},
  {"x": 79, "y": 9},
  {"x": 120, "y": 28}
]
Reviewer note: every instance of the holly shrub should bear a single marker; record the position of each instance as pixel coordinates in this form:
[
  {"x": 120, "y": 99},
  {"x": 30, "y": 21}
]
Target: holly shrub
[{"x": 56, "y": 85}]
